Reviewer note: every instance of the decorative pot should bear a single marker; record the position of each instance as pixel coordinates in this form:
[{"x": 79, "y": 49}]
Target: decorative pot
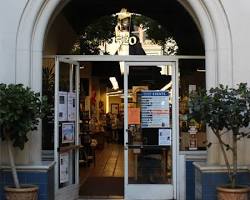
[
  {"x": 26, "y": 192},
  {"x": 226, "y": 193}
]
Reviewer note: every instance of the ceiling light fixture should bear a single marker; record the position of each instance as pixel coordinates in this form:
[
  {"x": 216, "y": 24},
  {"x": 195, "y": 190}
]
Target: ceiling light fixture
[
  {"x": 114, "y": 83},
  {"x": 201, "y": 70}
]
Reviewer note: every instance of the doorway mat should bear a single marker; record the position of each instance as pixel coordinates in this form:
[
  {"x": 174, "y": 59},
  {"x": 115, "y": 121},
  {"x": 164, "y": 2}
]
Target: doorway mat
[{"x": 102, "y": 187}]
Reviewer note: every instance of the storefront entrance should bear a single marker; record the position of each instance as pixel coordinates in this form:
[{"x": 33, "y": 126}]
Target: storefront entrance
[{"x": 150, "y": 126}]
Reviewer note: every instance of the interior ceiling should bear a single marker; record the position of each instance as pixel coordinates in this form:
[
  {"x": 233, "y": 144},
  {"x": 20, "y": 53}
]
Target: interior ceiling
[{"x": 169, "y": 13}]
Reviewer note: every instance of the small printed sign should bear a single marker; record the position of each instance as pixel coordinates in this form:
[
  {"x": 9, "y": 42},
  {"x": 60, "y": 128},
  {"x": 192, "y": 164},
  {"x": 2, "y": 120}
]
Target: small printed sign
[
  {"x": 165, "y": 137},
  {"x": 71, "y": 106},
  {"x": 133, "y": 115},
  {"x": 64, "y": 167},
  {"x": 62, "y": 108}
]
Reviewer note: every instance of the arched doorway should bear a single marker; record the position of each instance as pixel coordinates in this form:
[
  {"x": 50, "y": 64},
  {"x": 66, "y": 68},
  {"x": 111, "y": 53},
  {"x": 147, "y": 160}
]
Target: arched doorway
[{"x": 34, "y": 56}]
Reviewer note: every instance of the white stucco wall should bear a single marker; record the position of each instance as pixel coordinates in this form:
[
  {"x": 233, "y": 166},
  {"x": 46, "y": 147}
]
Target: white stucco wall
[
  {"x": 10, "y": 15},
  {"x": 224, "y": 26},
  {"x": 239, "y": 18}
]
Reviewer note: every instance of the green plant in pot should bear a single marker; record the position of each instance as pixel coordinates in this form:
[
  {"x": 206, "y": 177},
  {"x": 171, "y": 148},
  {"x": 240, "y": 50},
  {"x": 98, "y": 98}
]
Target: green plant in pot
[
  {"x": 227, "y": 112},
  {"x": 20, "y": 111}
]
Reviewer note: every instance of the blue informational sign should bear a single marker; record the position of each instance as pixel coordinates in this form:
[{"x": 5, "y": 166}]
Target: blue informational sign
[{"x": 154, "y": 109}]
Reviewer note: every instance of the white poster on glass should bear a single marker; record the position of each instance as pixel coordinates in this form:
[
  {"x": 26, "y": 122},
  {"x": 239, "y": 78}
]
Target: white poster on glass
[
  {"x": 154, "y": 109},
  {"x": 165, "y": 137},
  {"x": 62, "y": 108},
  {"x": 71, "y": 106},
  {"x": 64, "y": 167}
]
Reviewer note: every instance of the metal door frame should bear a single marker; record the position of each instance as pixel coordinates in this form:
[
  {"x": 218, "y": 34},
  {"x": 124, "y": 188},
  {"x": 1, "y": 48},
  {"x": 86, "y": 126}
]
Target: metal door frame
[
  {"x": 73, "y": 188},
  {"x": 145, "y": 191}
]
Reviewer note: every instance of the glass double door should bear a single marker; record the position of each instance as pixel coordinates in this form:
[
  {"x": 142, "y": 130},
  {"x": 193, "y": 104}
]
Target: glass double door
[{"x": 150, "y": 130}]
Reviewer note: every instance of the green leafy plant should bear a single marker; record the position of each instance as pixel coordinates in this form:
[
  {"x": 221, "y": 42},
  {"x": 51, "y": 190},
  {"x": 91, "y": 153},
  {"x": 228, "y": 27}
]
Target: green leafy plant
[
  {"x": 20, "y": 110},
  {"x": 227, "y": 112}
]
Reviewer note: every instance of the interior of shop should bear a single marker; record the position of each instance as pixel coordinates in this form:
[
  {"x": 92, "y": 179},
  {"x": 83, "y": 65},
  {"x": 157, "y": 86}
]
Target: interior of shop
[
  {"x": 101, "y": 155},
  {"x": 101, "y": 99}
]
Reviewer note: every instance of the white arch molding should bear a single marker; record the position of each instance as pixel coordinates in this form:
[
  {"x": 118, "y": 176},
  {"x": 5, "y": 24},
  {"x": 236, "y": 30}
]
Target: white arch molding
[{"x": 209, "y": 16}]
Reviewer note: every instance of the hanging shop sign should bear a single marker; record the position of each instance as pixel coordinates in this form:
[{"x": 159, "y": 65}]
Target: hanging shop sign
[{"x": 154, "y": 109}]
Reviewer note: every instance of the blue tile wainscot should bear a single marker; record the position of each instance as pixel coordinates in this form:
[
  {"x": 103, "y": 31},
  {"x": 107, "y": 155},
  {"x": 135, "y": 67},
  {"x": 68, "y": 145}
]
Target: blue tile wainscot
[
  {"x": 190, "y": 158},
  {"x": 40, "y": 175},
  {"x": 208, "y": 177}
]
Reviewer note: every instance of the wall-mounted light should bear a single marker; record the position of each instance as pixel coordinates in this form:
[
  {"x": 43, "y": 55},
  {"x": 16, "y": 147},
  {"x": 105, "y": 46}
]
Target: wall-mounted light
[
  {"x": 114, "y": 83},
  {"x": 81, "y": 67}
]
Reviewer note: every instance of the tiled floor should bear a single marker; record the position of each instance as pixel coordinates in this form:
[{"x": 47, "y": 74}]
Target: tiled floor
[{"x": 109, "y": 163}]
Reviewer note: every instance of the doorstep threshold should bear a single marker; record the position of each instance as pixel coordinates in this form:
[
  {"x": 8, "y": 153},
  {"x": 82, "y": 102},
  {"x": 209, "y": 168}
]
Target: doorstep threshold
[{"x": 100, "y": 197}]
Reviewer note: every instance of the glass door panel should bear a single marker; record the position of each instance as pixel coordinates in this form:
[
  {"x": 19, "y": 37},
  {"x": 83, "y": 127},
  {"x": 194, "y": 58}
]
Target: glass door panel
[
  {"x": 151, "y": 130},
  {"x": 66, "y": 127}
]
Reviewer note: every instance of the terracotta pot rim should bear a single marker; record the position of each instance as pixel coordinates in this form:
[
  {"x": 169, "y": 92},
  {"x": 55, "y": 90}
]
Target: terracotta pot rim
[
  {"x": 24, "y": 188},
  {"x": 239, "y": 189}
]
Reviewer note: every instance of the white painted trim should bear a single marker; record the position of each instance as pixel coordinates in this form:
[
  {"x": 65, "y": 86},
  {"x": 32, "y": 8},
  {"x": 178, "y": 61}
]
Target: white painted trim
[
  {"x": 121, "y": 58},
  {"x": 56, "y": 120},
  {"x": 44, "y": 166},
  {"x": 204, "y": 167},
  {"x": 77, "y": 140},
  {"x": 126, "y": 70},
  {"x": 175, "y": 124},
  {"x": 181, "y": 178}
]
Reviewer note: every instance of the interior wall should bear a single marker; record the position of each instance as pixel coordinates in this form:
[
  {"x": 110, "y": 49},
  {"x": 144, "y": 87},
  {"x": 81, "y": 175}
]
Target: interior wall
[
  {"x": 114, "y": 100},
  {"x": 60, "y": 37}
]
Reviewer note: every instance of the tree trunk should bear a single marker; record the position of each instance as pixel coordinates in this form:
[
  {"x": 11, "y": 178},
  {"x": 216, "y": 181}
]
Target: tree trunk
[
  {"x": 12, "y": 164},
  {"x": 229, "y": 169},
  {"x": 234, "y": 160}
]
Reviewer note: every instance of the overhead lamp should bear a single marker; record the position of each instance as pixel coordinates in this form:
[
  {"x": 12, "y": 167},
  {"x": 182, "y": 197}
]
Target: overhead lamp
[
  {"x": 114, "y": 83},
  {"x": 201, "y": 70}
]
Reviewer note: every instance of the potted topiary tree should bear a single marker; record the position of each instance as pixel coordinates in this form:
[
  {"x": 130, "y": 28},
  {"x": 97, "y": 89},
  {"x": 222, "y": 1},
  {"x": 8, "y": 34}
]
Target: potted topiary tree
[
  {"x": 227, "y": 112},
  {"x": 20, "y": 110}
]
